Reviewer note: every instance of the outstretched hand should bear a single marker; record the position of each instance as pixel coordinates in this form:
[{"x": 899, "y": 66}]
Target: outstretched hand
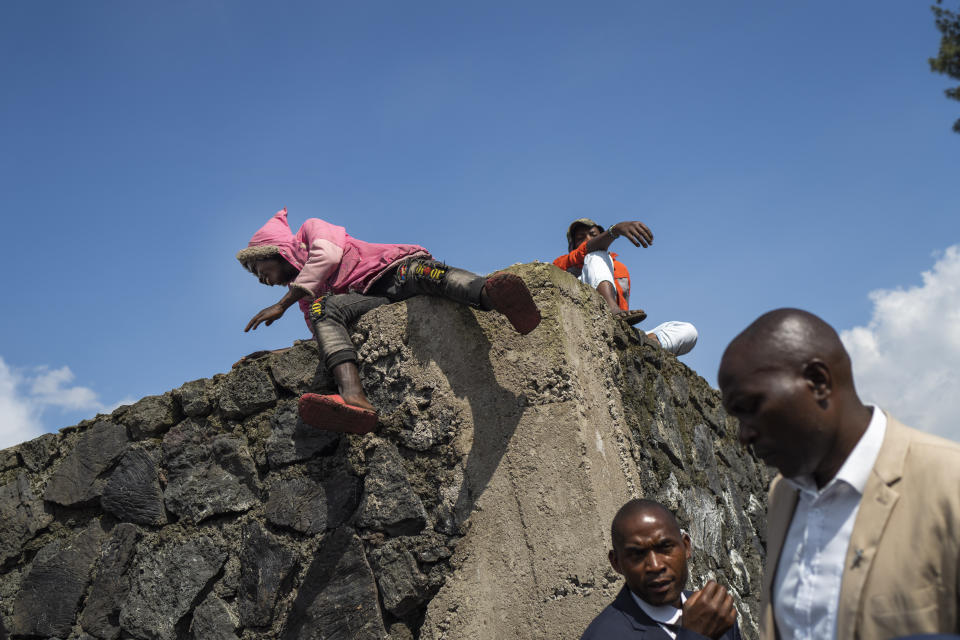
[
  {"x": 710, "y": 611},
  {"x": 634, "y": 231},
  {"x": 266, "y": 316}
]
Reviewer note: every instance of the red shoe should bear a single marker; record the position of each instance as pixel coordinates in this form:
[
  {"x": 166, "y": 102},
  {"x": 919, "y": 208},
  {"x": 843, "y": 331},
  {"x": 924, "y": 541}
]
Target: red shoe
[
  {"x": 509, "y": 295},
  {"x": 333, "y": 414}
]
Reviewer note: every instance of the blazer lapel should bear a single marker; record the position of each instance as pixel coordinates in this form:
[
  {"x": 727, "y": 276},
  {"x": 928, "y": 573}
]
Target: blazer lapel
[
  {"x": 783, "y": 502},
  {"x": 876, "y": 505}
]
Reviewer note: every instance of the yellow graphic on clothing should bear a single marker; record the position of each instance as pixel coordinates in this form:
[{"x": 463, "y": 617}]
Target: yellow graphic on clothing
[
  {"x": 317, "y": 307},
  {"x": 426, "y": 271}
]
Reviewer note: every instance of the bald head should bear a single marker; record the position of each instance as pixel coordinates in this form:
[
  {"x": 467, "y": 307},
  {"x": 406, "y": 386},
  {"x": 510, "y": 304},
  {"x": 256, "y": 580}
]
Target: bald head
[
  {"x": 787, "y": 379},
  {"x": 791, "y": 338},
  {"x": 637, "y": 507}
]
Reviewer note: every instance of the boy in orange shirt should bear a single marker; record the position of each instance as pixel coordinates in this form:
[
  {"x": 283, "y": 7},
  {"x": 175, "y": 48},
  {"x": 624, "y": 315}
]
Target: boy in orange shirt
[{"x": 589, "y": 260}]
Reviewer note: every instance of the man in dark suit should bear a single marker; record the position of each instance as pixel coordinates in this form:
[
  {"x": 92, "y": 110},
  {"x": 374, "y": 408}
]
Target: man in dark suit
[{"x": 651, "y": 552}]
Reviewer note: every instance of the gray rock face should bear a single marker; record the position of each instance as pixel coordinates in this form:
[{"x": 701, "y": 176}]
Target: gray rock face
[
  {"x": 705, "y": 458},
  {"x": 133, "y": 491},
  {"x": 245, "y": 390},
  {"x": 402, "y": 585},
  {"x": 479, "y": 510},
  {"x": 705, "y": 520},
  {"x": 151, "y": 416},
  {"x": 299, "y": 370},
  {"x": 214, "y": 620},
  {"x": 36, "y": 453},
  {"x": 389, "y": 502},
  {"x": 298, "y": 503},
  {"x": 207, "y": 473},
  {"x": 78, "y": 479},
  {"x": 293, "y": 441},
  {"x": 8, "y": 459},
  {"x": 166, "y": 582},
  {"x": 50, "y": 593},
  {"x": 21, "y": 516},
  {"x": 195, "y": 398},
  {"x": 338, "y": 597},
  {"x": 265, "y": 567},
  {"x": 343, "y": 492},
  {"x": 101, "y": 612}
]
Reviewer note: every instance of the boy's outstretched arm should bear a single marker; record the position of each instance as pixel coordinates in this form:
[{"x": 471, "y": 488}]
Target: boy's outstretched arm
[
  {"x": 275, "y": 311},
  {"x": 633, "y": 230}
]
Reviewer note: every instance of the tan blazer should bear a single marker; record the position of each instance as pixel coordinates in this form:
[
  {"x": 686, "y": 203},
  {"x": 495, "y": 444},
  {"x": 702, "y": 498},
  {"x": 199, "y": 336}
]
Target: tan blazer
[{"x": 908, "y": 530}]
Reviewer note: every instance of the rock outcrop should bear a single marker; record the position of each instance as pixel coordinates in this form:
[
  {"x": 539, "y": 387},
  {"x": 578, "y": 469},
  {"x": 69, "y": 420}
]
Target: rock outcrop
[{"x": 480, "y": 509}]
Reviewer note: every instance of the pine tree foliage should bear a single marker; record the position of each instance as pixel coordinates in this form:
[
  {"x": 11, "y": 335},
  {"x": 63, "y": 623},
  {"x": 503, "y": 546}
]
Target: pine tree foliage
[{"x": 948, "y": 59}]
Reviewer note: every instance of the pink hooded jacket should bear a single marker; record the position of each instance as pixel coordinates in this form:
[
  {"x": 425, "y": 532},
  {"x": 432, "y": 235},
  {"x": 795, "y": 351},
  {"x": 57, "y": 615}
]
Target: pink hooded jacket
[{"x": 328, "y": 259}]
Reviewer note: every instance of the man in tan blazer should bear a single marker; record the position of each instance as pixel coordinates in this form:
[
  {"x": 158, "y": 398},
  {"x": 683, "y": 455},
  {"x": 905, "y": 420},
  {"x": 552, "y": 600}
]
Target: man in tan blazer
[{"x": 863, "y": 523}]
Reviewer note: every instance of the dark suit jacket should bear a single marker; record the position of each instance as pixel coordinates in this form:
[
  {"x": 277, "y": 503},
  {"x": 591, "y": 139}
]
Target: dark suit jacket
[{"x": 624, "y": 618}]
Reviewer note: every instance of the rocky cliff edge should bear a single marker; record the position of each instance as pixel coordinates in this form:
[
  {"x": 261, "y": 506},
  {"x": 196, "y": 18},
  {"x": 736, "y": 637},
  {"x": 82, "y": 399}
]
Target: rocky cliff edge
[{"x": 480, "y": 509}]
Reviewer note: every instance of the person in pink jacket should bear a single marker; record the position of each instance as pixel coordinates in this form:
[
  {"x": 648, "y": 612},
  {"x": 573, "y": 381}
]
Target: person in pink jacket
[{"x": 336, "y": 278}]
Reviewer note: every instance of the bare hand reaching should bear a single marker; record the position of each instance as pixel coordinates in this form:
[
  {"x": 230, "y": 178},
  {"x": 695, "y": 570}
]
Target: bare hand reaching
[
  {"x": 266, "y": 316},
  {"x": 634, "y": 231},
  {"x": 710, "y": 611}
]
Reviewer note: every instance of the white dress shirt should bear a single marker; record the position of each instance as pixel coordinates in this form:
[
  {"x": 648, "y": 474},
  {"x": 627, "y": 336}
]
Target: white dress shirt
[
  {"x": 664, "y": 613},
  {"x": 806, "y": 588}
]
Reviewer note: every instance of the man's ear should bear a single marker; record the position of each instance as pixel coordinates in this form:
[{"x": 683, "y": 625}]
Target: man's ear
[
  {"x": 687, "y": 545},
  {"x": 614, "y": 561},
  {"x": 819, "y": 380}
]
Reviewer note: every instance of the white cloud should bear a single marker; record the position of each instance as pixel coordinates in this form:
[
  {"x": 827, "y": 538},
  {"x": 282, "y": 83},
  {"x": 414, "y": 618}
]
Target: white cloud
[
  {"x": 24, "y": 396},
  {"x": 907, "y": 359},
  {"x": 110, "y": 407},
  {"x": 19, "y": 419},
  {"x": 48, "y": 387}
]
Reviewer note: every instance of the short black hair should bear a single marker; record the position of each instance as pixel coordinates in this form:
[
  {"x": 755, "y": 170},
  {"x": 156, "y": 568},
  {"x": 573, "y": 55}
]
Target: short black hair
[{"x": 633, "y": 507}]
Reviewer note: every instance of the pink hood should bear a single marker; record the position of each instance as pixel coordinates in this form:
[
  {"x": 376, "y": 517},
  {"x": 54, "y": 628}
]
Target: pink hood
[{"x": 328, "y": 259}]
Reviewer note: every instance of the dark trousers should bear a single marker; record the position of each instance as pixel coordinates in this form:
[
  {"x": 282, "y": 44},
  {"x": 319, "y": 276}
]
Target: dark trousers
[{"x": 333, "y": 313}]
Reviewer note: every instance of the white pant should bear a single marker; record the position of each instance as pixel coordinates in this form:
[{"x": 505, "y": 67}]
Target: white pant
[{"x": 676, "y": 337}]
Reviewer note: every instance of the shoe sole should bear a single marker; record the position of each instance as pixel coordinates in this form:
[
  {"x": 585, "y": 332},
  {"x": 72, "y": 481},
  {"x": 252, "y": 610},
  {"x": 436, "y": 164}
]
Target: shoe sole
[
  {"x": 330, "y": 413},
  {"x": 634, "y": 316},
  {"x": 509, "y": 295}
]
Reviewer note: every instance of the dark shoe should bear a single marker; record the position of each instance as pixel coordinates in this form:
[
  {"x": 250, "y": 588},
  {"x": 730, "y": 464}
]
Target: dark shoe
[
  {"x": 331, "y": 413},
  {"x": 509, "y": 295},
  {"x": 633, "y": 316}
]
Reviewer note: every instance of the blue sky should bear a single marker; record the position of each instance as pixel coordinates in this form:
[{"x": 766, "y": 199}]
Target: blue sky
[{"x": 783, "y": 155}]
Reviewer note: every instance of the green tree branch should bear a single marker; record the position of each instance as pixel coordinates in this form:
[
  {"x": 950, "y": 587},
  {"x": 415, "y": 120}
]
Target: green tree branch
[{"x": 948, "y": 59}]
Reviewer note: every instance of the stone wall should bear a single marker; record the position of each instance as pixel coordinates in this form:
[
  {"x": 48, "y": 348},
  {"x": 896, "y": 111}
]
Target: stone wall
[{"x": 480, "y": 509}]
